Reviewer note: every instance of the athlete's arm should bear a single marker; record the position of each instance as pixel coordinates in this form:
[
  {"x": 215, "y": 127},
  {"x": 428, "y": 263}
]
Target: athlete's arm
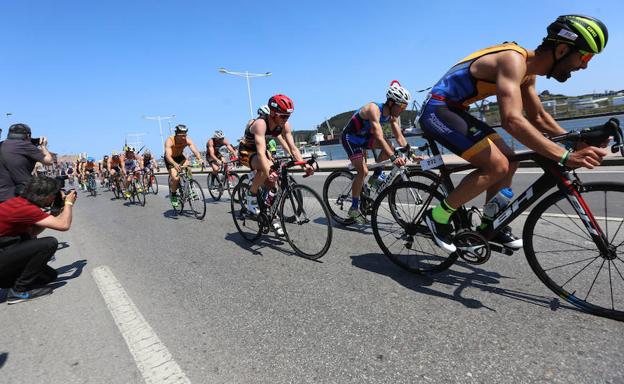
[
  {"x": 511, "y": 70},
  {"x": 396, "y": 131},
  {"x": 372, "y": 114},
  {"x": 535, "y": 111},
  {"x": 229, "y": 147},
  {"x": 294, "y": 151},
  {"x": 284, "y": 144},
  {"x": 191, "y": 145}
]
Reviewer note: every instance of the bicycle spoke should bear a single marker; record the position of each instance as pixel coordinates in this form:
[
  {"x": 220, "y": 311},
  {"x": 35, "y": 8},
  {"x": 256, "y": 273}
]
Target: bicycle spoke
[
  {"x": 594, "y": 281},
  {"x": 577, "y": 273},
  {"x": 611, "y": 286},
  {"x": 571, "y": 263},
  {"x": 582, "y": 230},
  {"x": 618, "y": 231},
  {"x": 562, "y": 242},
  {"x": 606, "y": 216}
]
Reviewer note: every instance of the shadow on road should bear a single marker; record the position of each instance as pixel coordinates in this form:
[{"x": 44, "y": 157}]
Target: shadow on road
[
  {"x": 76, "y": 268},
  {"x": 3, "y": 358},
  {"x": 474, "y": 277},
  {"x": 62, "y": 245},
  {"x": 265, "y": 241}
]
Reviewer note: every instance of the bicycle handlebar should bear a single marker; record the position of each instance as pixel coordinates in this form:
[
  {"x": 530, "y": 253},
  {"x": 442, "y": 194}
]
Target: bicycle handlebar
[{"x": 596, "y": 135}]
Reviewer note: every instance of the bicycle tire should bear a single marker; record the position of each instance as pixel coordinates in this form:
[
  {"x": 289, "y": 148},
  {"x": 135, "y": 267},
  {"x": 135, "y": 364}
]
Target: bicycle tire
[
  {"x": 247, "y": 225},
  {"x": 230, "y": 182},
  {"x": 300, "y": 200},
  {"x": 396, "y": 238},
  {"x": 196, "y": 199},
  {"x": 153, "y": 182},
  {"x": 556, "y": 212},
  {"x": 340, "y": 196},
  {"x": 139, "y": 191},
  {"x": 215, "y": 186}
]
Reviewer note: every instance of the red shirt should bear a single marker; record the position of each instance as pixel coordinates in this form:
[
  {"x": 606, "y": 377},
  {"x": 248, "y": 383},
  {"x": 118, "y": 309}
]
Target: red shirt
[{"x": 18, "y": 215}]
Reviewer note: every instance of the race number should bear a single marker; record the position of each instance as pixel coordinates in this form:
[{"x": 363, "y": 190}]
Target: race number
[{"x": 431, "y": 162}]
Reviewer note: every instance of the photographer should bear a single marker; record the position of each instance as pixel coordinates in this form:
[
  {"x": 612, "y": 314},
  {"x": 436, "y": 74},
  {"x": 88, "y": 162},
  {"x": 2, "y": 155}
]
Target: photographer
[
  {"x": 18, "y": 155},
  {"x": 23, "y": 257}
]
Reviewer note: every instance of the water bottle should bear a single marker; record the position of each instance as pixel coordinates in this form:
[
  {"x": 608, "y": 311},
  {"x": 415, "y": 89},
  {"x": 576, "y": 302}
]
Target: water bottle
[
  {"x": 497, "y": 203},
  {"x": 270, "y": 195}
]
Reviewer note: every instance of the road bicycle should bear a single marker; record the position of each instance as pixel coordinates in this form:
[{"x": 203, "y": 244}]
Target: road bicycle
[
  {"x": 337, "y": 186},
  {"x": 573, "y": 238},
  {"x": 190, "y": 193},
  {"x": 91, "y": 184},
  {"x": 302, "y": 215},
  {"x": 150, "y": 182},
  {"x": 136, "y": 189},
  {"x": 225, "y": 179}
]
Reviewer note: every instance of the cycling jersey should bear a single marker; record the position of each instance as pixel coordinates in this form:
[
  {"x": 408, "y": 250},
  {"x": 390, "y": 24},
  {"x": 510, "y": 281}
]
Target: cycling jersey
[
  {"x": 247, "y": 147},
  {"x": 356, "y": 135},
  {"x": 130, "y": 164},
  {"x": 459, "y": 88},
  {"x": 177, "y": 149},
  {"x": 445, "y": 116},
  {"x": 90, "y": 165}
]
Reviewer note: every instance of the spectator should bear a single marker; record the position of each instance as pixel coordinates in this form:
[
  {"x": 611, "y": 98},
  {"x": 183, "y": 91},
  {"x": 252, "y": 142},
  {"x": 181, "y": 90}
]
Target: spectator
[
  {"x": 18, "y": 156},
  {"x": 23, "y": 256}
]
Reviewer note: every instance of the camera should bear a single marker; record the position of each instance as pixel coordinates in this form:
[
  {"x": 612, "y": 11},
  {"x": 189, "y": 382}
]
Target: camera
[
  {"x": 36, "y": 141},
  {"x": 59, "y": 200}
]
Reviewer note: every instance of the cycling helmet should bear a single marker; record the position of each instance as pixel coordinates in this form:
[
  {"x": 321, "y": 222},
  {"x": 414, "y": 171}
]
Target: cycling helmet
[
  {"x": 130, "y": 148},
  {"x": 90, "y": 159},
  {"x": 585, "y": 33},
  {"x": 115, "y": 156},
  {"x": 263, "y": 110},
  {"x": 397, "y": 93},
  {"x": 181, "y": 128},
  {"x": 106, "y": 156},
  {"x": 147, "y": 153},
  {"x": 281, "y": 104},
  {"x": 218, "y": 135}
]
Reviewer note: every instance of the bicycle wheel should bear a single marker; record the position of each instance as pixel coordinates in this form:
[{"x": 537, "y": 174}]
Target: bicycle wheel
[
  {"x": 406, "y": 241},
  {"x": 246, "y": 224},
  {"x": 306, "y": 222},
  {"x": 117, "y": 189},
  {"x": 153, "y": 183},
  {"x": 428, "y": 178},
  {"x": 564, "y": 256},
  {"x": 92, "y": 186},
  {"x": 231, "y": 181},
  {"x": 196, "y": 199},
  {"x": 138, "y": 189},
  {"x": 215, "y": 187},
  {"x": 337, "y": 196}
]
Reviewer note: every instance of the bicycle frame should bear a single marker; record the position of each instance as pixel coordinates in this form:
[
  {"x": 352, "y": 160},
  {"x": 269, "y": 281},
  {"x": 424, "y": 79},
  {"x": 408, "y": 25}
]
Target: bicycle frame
[{"x": 554, "y": 175}]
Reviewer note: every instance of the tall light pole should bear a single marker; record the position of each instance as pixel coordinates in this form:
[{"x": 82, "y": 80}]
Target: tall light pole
[
  {"x": 247, "y": 76},
  {"x": 160, "y": 119}
]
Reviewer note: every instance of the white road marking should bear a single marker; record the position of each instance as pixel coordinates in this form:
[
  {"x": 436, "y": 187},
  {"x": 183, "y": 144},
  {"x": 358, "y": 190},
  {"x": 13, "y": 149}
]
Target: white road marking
[{"x": 151, "y": 356}]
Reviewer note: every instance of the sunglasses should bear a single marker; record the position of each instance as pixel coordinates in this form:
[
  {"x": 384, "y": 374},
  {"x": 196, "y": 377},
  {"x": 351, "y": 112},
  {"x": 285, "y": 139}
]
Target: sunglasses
[
  {"x": 586, "y": 56},
  {"x": 284, "y": 116}
]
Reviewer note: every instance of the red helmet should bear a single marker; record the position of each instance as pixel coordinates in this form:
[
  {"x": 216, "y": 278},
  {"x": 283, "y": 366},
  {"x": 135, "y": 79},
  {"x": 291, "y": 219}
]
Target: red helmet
[{"x": 281, "y": 104}]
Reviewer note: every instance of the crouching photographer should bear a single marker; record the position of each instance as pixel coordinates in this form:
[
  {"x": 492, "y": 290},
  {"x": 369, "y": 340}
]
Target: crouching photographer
[{"x": 23, "y": 256}]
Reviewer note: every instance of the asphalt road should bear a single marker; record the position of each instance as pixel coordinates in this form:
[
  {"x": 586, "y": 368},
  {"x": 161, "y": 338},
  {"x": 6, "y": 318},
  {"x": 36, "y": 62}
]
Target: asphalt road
[{"x": 230, "y": 312}]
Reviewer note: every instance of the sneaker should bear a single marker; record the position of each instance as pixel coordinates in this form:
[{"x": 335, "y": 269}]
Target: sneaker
[
  {"x": 441, "y": 232},
  {"x": 174, "y": 201},
  {"x": 278, "y": 229},
  {"x": 356, "y": 215},
  {"x": 506, "y": 238},
  {"x": 15, "y": 297},
  {"x": 252, "y": 205}
]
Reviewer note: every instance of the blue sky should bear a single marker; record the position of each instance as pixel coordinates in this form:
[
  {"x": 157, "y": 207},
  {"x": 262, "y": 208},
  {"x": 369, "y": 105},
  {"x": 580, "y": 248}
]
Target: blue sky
[{"x": 84, "y": 72}]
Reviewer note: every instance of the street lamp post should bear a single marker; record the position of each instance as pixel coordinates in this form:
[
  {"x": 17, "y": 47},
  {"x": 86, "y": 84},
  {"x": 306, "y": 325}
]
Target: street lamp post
[
  {"x": 247, "y": 76},
  {"x": 160, "y": 119}
]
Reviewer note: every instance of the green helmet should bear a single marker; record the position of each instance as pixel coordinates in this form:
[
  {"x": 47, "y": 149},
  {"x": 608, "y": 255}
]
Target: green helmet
[{"x": 585, "y": 33}]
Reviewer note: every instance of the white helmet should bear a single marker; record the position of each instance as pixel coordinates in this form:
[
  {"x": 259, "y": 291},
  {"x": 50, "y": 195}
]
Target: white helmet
[
  {"x": 218, "y": 135},
  {"x": 130, "y": 148},
  {"x": 264, "y": 110},
  {"x": 397, "y": 93}
]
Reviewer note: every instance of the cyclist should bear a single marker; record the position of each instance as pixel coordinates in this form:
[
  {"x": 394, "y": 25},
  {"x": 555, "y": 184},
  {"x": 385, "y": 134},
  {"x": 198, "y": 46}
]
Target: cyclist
[
  {"x": 149, "y": 163},
  {"x": 364, "y": 132},
  {"x": 252, "y": 150},
  {"x": 89, "y": 167},
  {"x": 213, "y": 151},
  {"x": 174, "y": 158},
  {"x": 103, "y": 168},
  {"x": 509, "y": 72},
  {"x": 130, "y": 164},
  {"x": 79, "y": 163}
]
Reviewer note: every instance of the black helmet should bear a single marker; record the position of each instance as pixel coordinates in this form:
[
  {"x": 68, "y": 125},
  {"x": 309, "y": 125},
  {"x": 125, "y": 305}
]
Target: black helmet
[
  {"x": 583, "y": 32},
  {"x": 181, "y": 128}
]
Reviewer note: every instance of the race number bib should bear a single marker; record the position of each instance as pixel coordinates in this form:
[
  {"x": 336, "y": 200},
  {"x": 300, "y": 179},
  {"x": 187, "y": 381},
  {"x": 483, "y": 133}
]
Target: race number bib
[{"x": 431, "y": 162}]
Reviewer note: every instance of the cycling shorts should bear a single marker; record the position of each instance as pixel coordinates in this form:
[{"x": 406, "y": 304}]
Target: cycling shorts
[
  {"x": 178, "y": 159},
  {"x": 456, "y": 129}
]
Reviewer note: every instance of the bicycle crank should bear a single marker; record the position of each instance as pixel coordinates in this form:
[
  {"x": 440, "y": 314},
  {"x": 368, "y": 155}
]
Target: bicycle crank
[{"x": 472, "y": 247}]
